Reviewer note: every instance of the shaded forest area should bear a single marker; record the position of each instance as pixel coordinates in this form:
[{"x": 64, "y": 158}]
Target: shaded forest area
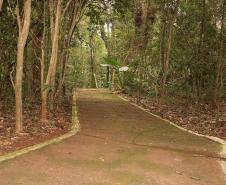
[{"x": 166, "y": 55}]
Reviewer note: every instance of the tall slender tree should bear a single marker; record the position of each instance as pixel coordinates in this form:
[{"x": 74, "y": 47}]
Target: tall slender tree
[
  {"x": 220, "y": 58},
  {"x": 169, "y": 15},
  {"x": 55, "y": 17},
  {"x": 1, "y": 3},
  {"x": 23, "y": 22}
]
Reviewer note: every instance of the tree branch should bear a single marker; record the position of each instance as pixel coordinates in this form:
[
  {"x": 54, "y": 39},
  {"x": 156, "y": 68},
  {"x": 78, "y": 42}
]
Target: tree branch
[
  {"x": 18, "y": 16},
  {"x": 1, "y": 3},
  {"x": 66, "y": 8},
  {"x": 11, "y": 79}
]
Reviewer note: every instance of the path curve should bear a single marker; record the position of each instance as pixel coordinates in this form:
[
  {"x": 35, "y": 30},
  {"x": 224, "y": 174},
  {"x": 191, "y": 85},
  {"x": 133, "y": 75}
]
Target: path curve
[{"x": 119, "y": 144}]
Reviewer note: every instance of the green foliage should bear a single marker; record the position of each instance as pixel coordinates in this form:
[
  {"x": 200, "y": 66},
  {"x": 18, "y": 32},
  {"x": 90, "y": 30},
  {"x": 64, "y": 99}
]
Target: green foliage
[
  {"x": 8, "y": 43},
  {"x": 73, "y": 75},
  {"x": 193, "y": 58},
  {"x": 112, "y": 62}
]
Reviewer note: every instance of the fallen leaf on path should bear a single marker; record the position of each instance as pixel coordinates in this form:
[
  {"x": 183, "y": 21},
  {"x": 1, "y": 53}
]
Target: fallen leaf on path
[
  {"x": 101, "y": 159},
  {"x": 195, "y": 178},
  {"x": 179, "y": 173},
  {"x": 197, "y": 155}
]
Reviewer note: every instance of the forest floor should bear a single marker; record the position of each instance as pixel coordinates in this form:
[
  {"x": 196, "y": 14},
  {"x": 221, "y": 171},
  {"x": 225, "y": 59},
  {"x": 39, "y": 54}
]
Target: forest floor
[
  {"x": 119, "y": 144},
  {"x": 34, "y": 130},
  {"x": 198, "y": 117}
]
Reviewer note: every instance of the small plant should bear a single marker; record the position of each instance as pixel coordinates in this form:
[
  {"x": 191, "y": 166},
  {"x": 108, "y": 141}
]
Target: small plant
[{"x": 117, "y": 66}]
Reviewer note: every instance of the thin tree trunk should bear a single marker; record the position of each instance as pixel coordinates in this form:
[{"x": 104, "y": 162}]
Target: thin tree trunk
[
  {"x": 165, "y": 49},
  {"x": 42, "y": 64},
  {"x": 198, "y": 74},
  {"x": 18, "y": 86},
  {"x": 92, "y": 61},
  {"x": 1, "y": 3},
  {"x": 50, "y": 79},
  {"x": 77, "y": 12},
  {"x": 165, "y": 64},
  {"x": 105, "y": 37},
  {"x": 220, "y": 60},
  {"x": 24, "y": 26}
]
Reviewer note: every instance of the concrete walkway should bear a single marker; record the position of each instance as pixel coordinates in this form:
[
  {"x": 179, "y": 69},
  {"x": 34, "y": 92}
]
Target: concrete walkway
[{"x": 119, "y": 144}]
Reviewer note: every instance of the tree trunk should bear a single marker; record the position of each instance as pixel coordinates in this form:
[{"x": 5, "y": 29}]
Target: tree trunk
[
  {"x": 75, "y": 17},
  {"x": 165, "y": 65},
  {"x": 220, "y": 60},
  {"x": 42, "y": 64},
  {"x": 92, "y": 61},
  {"x": 18, "y": 86},
  {"x": 76, "y": 10},
  {"x": 169, "y": 18},
  {"x": 50, "y": 79},
  {"x": 23, "y": 34},
  {"x": 106, "y": 37},
  {"x": 1, "y": 3}
]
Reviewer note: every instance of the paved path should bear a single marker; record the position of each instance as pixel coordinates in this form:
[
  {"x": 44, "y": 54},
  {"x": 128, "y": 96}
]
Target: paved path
[{"x": 119, "y": 144}]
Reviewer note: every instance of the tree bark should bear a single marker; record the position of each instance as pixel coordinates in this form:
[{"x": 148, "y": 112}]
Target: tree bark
[
  {"x": 105, "y": 37},
  {"x": 92, "y": 62},
  {"x": 169, "y": 18},
  {"x": 24, "y": 25},
  {"x": 1, "y": 3},
  {"x": 42, "y": 65},
  {"x": 50, "y": 79},
  {"x": 76, "y": 13},
  {"x": 165, "y": 64},
  {"x": 220, "y": 60}
]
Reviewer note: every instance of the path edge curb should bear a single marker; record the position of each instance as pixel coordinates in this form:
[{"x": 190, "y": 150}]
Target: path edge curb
[
  {"x": 212, "y": 138},
  {"x": 73, "y": 131}
]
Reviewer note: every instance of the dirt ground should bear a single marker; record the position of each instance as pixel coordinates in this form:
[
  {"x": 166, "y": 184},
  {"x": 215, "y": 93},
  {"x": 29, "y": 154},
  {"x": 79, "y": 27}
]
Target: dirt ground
[
  {"x": 119, "y": 144},
  {"x": 35, "y": 131}
]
